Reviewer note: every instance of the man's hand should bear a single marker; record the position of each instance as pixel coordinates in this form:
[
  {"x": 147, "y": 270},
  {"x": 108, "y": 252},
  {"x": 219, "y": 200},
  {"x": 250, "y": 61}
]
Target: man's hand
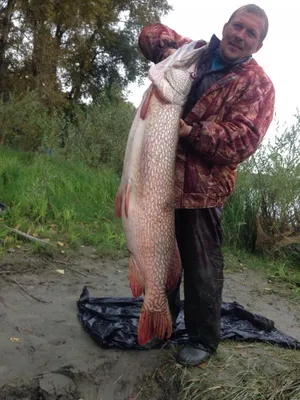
[
  {"x": 168, "y": 52},
  {"x": 184, "y": 129}
]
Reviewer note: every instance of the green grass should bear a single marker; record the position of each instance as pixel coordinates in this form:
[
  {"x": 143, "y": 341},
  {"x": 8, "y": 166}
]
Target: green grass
[
  {"x": 283, "y": 276},
  {"x": 60, "y": 201},
  {"x": 73, "y": 204}
]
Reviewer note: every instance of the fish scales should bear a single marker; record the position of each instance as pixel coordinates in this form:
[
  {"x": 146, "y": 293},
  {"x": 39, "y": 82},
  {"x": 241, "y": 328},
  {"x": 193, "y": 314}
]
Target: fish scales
[{"x": 145, "y": 198}]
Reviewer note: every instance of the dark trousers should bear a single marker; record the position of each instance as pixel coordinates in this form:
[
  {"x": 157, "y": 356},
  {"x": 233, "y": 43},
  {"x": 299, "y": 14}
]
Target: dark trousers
[{"x": 199, "y": 238}]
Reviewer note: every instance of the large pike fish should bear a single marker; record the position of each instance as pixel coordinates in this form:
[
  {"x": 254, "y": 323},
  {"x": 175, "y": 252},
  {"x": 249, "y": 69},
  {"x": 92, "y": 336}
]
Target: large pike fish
[{"x": 145, "y": 198}]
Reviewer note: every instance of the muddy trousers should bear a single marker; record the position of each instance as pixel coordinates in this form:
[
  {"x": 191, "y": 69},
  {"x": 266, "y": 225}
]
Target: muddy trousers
[{"x": 199, "y": 237}]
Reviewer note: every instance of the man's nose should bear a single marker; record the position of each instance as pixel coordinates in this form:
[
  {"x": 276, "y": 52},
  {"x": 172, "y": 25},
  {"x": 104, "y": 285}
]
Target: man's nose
[{"x": 240, "y": 36}]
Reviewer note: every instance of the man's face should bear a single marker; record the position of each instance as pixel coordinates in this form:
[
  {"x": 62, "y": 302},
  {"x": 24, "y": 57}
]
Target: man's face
[{"x": 241, "y": 36}]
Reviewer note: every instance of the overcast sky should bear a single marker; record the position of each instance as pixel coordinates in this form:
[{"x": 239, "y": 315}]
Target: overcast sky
[{"x": 279, "y": 56}]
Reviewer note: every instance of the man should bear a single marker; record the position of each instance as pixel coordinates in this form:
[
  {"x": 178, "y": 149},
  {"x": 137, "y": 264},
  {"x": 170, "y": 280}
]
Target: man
[{"x": 226, "y": 116}]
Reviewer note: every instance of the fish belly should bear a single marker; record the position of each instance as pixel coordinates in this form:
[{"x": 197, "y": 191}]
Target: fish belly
[{"x": 148, "y": 218}]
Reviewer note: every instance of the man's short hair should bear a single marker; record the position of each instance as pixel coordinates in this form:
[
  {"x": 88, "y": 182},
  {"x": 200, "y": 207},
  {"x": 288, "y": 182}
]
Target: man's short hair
[{"x": 254, "y": 9}]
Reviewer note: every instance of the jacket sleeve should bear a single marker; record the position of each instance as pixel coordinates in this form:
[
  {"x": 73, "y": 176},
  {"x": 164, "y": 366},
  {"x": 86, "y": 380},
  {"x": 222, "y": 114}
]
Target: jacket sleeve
[
  {"x": 156, "y": 39},
  {"x": 237, "y": 137}
]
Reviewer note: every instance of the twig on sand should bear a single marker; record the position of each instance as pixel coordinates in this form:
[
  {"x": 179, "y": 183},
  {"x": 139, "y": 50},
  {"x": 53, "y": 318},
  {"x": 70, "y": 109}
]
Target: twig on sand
[
  {"x": 13, "y": 272},
  {"x": 67, "y": 267},
  {"x": 77, "y": 272},
  {"x": 25, "y": 236},
  {"x": 59, "y": 262},
  {"x": 71, "y": 269},
  {"x": 29, "y": 294}
]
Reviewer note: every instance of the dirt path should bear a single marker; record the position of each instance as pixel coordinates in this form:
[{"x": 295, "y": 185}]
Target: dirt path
[{"x": 46, "y": 355}]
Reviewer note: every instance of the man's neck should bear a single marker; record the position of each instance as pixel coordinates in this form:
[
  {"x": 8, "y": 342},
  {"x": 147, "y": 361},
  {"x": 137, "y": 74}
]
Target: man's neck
[{"x": 215, "y": 45}]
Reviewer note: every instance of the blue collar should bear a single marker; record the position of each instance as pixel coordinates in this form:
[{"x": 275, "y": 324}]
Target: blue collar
[{"x": 218, "y": 62}]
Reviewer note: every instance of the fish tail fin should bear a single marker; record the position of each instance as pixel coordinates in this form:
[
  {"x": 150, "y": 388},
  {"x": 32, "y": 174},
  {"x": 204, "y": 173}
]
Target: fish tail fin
[
  {"x": 118, "y": 203},
  {"x": 154, "y": 325},
  {"x": 175, "y": 270},
  {"x": 135, "y": 281}
]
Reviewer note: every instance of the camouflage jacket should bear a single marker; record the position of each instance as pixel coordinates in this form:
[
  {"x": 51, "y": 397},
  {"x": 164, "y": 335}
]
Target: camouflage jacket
[{"x": 229, "y": 122}]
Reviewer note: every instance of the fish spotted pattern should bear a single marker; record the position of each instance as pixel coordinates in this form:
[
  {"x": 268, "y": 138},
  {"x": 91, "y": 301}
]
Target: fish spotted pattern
[{"x": 145, "y": 198}]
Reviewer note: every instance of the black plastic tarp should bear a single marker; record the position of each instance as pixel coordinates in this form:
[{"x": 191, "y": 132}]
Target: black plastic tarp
[{"x": 113, "y": 322}]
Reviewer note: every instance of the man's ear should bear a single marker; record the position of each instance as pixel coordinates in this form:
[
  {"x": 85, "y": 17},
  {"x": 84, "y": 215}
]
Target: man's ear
[
  {"x": 259, "y": 46},
  {"x": 224, "y": 28}
]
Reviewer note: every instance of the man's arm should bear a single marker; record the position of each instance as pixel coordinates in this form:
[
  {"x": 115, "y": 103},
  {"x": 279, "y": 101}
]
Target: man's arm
[
  {"x": 157, "y": 41},
  {"x": 238, "y": 137}
]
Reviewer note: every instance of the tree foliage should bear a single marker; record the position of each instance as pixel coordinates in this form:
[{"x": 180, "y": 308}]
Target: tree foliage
[{"x": 70, "y": 49}]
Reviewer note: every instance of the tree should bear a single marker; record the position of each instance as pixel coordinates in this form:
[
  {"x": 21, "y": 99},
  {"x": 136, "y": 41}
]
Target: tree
[
  {"x": 70, "y": 49},
  {"x": 6, "y": 12}
]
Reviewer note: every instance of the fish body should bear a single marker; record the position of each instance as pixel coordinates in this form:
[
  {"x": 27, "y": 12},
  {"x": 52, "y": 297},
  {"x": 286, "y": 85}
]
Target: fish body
[{"x": 145, "y": 198}]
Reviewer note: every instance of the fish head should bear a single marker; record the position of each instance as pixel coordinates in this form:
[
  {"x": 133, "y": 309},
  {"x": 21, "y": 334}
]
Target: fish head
[
  {"x": 177, "y": 84},
  {"x": 173, "y": 76}
]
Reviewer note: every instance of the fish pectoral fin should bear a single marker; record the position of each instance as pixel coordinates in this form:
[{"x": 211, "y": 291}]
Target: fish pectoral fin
[
  {"x": 118, "y": 203},
  {"x": 135, "y": 281},
  {"x": 154, "y": 325},
  {"x": 146, "y": 102},
  {"x": 127, "y": 198},
  {"x": 145, "y": 106},
  {"x": 175, "y": 270}
]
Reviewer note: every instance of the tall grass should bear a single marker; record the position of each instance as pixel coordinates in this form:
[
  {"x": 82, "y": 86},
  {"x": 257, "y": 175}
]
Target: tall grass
[
  {"x": 268, "y": 192},
  {"x": 62, "y": 200},
  {"x": 239, "y": 213},
  {"x": 87, "y": 144}
]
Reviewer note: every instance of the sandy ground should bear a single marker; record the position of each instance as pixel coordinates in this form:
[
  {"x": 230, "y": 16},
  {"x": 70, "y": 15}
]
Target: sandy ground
[{"x": 45, "y": 353}]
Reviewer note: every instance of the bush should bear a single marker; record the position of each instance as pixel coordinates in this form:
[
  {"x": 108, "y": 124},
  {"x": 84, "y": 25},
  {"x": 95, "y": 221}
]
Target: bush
[
  {"x": 25, "y": 122},
  {"x": 264, "y": 211},
  {"x": 96, "y": 134}
]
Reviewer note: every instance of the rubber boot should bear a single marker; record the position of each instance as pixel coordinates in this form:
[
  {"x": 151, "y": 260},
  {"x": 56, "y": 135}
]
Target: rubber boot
[{"x": 192, "y": 355}]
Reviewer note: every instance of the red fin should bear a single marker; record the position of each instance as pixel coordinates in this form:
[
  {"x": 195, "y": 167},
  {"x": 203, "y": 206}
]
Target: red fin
[
  {"x": 127, "y": 195},
  {"x": 145, "y": 106},
  {"x": 154, "y": 325},
  {"x": 175, "y": 269},
  {"x": 154, "y": 91},
  {"x": 136, "y": 286},
  {"x": 118, "y": 204}
]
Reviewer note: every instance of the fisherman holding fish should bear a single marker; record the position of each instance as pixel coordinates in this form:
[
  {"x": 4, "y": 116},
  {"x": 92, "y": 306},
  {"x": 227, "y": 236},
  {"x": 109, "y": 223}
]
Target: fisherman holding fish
[{"x": 226, "y": 116}]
